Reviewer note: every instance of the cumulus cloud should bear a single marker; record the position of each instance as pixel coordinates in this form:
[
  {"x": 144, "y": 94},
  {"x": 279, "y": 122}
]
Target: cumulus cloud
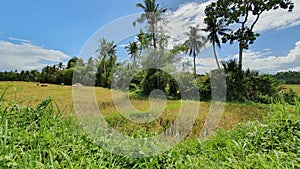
[
  {"x": 26, "y": 56},
  {"x": 265, "y": 61},
  {"x": 192, "y": 14},
  {"x": 279, "y": 19},
  {"x": 179, "y": 21}
]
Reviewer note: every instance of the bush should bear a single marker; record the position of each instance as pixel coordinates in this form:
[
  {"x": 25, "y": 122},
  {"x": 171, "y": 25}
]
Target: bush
[
  {"x": 248, "y": 85},
  {"x": 288, "y": 96}
]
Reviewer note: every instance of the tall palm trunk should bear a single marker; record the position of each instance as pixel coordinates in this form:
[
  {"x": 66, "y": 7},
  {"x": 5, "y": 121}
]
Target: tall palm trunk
[
  {"x": 111, "y": 64},
  {"x": 240, "y": 55},
  {"x": 216, "y": 57},
  {"x": 195, "y": 73},
  {"x": 135, "y": 60},
  {"x": 105, "y": 73},
  {"x": 154, "y": 40}
]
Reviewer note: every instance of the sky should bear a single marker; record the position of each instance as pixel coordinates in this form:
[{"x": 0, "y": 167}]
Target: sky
[{"x": 34, "y": 33}]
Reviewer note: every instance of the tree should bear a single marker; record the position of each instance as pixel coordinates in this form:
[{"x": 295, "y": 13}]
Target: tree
[
  {"x": 102, "y": 57},
  {"x": 132, "y": 49},
  {"x": 34, "y": 75},
  {"x": 214, "y": 27},
  {"x": 73, "y": 61},
  {"x": 111, "y": 53},
  {"x": 152, "y": 13},
  {"x": 143, "y": 41},
  {"x": 89, "y": 72},
  {"x": 106, "y": 49},
  {"x": 60, "y": 66},
  {"x": 195, "y": 43},
  {"x": 244, "y": 14}
]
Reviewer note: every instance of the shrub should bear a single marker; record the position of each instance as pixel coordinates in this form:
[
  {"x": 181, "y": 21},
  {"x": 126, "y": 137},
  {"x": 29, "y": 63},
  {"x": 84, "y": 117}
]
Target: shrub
[{"x": 288, "y": 96}]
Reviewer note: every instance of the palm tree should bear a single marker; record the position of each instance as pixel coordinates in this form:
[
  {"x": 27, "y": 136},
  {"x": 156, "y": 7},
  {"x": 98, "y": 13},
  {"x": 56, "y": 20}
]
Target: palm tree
[
  {"x": 102, "y": 57},
  {"x": 143, "y": 43},
  {"x": 111, "y": 52},
  {"x": 195, "y": 43},
  {"x": 143, "y": 40},
  {"x": 106, "y": 49},
  {"x": 152, "y": 13},
  {"x": 132, "y": 49},
  {"x": 214, "y": 28},
  {"x": 60, "y": 66}
]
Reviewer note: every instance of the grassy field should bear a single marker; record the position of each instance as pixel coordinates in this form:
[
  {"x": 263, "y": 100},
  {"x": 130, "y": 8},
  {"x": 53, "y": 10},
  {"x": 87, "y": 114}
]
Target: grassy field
[
  {"x": 295, "y": 87},
  {"x": 42, "y": 137},
  {"x": 29, "y": 94}
]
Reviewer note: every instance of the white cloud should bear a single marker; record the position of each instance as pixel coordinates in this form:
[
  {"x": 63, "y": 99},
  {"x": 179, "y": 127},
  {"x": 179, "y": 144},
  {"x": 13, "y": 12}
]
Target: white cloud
[
  {"x": 179, "y": 21},
  {"x": 191, "y": 14},
  {"x": 279, "y": 19},
  {"x": 123, "y": 45},
  {"x": 264, "y": 61},
  {"x": 19, "y": 40},
  {"x": 25, "y": 56}
]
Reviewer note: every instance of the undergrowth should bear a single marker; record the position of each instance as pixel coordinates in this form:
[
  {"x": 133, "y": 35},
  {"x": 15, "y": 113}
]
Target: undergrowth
[{"x": 41, "y": 137}]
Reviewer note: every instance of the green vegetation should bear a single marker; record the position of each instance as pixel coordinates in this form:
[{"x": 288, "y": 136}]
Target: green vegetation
[
  {"x": 290, "y": 77},
  {"x": 296, "y": 88},
  {"x": 153, "y": 61},
  {"x": 43, "y": 137},
  {"x": 44, "y": 133},
  {"x": 225, "y": 13},
  {"x": 195, "y": 43},
  {"x": 28, "y": 94}
]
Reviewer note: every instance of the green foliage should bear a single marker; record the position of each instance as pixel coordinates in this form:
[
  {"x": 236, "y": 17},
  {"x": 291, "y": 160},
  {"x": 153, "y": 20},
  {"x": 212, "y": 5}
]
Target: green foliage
[
  {"x": 152, "y": 14},
  {"x": 55, "y": 74},
  {"x": 290, "y": 77},
  {"x": 236, "y": 13},
  {"x": 234, "y": 78},
  {"x": 108, "y": 58},
  {"x": 160, "y": 64},
  {"x": 288, "y": 96},
  {"x": 2, "y": 93},
  {"x": 260, "y": 88},
  {"x": 28, "y": 76},
  {"x": 204, "y": 87},
  {"x": 195, "y": 43},
  {"x": 249, "y": 85},
  {"x": 272, "y": 143},
  {"x": 43, "y": 138},
  {"x": 132, "y": 49},
  {"x": 215, "y": 28},
  {"x": 73, "y": 61}
]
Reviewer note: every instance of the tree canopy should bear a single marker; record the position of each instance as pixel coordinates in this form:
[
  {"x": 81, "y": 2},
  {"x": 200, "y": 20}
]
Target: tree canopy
[{"x": 243, "y": 14}]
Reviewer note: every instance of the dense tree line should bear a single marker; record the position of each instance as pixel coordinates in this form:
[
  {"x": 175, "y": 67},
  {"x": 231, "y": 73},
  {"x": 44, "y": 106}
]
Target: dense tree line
[
  {"x": 55, "y": 74},
  {"x": 289, "y": 77}
]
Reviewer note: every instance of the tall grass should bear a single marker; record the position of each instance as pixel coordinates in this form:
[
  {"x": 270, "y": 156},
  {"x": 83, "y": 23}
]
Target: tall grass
[{"x": 42, "y": 137}]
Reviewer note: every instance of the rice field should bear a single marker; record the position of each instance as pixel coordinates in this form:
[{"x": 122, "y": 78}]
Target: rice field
[
  {"x": 295, "y": 87},
  {"x": 29, "y": 94},
  {"x": 38, "y": 129}
]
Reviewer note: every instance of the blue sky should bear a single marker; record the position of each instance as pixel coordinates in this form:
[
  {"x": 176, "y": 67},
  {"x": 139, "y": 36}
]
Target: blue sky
[{"x": 36, "y": 33}]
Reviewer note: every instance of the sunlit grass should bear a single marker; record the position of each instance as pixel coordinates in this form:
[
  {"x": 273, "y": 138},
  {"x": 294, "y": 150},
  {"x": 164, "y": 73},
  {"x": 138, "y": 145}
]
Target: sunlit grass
[
  {"x": 42, "y": 137},
  {"x": 295, "y": 87},
  {"x": 29, "y": 94}
]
